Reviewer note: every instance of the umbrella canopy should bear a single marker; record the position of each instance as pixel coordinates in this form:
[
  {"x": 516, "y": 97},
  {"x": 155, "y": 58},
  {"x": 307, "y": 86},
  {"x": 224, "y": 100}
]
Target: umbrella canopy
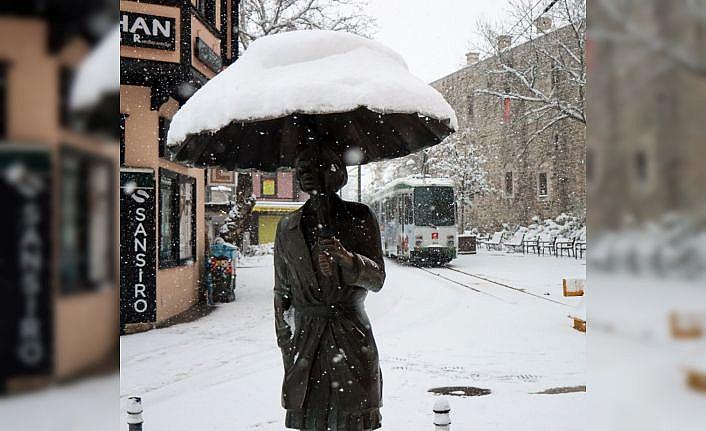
[{"x": 310, "y": 87}]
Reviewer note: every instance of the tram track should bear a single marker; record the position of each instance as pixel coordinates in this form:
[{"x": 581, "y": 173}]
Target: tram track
[
  {"x": 436, "y": 274},
  {"x": 487, "y": 280}
]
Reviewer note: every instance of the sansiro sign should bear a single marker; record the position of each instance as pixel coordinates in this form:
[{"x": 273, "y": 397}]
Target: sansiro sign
[{"x": 138, "y": 247}]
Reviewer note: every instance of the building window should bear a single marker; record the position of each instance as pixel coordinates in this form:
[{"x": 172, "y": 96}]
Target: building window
[
  {"x": 268, "y": 186},
  {"x": 177, "y": 219},
  {"x": 641, "y": 166},
  {"x": 207, "y": 10},
  {"x": 163, "y": 129},
  {"x": 3, "y": 100},
  {"x": 542, "y": 185},
  {"x": 86, "y": 220},
  {"x": 507, "y": 104},
  {"x": 509, "y": 186}
]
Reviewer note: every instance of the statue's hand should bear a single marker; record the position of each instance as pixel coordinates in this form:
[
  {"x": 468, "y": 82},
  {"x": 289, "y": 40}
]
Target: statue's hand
[
  {"x": 332, "y": 249},
  {"x": 326, "y": 264}
]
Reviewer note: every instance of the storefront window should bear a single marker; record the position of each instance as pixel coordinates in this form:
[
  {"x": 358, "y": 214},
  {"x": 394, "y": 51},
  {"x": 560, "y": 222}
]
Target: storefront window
[
  {"x": 86, "y": 220},
  {"x": 166, "y": 222},
  {"x": 186, "y": 220},
  {"x": 177, "y": 219}
]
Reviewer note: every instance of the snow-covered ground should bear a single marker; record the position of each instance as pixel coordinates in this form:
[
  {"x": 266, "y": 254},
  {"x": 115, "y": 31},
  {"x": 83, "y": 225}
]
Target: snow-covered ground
[{"x": 223, "y": 372}]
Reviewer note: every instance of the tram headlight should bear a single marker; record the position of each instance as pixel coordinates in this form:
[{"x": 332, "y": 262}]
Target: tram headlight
[
  {"x": 418, "y": 241},
  {"x": 450, "y": 241}
]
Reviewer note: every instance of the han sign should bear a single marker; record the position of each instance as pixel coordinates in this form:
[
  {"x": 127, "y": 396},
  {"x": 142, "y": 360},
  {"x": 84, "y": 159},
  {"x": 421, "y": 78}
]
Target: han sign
[{"x": 147, "y": 31}]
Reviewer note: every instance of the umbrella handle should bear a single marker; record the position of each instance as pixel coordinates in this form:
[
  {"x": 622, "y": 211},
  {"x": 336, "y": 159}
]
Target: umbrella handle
[{"x": 323, "y": 216}]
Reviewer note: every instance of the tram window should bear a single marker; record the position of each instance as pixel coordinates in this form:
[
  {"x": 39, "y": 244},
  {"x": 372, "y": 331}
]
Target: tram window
[{"x": 434, "y": 206}]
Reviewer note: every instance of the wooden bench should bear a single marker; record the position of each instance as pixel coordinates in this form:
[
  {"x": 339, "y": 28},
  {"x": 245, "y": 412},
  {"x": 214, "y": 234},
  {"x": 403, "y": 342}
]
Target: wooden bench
[
  {"x": 561, "y": 245},
  {"x": 495, "y": 242},
  {"x": 546, "y": 242},
  {"x": 580, "y": 244},
  {"x": 573, "y": 286},
  {"x": 515, "y": 242},
  {"x": 530, "y": 244}
]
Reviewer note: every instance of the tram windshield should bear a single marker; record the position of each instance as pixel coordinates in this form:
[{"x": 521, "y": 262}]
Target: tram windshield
[{"x": 434, "y": 206}]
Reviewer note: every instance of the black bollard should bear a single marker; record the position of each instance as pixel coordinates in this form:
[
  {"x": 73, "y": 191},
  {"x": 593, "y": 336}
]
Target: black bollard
[{"x": 134, "y": 414}]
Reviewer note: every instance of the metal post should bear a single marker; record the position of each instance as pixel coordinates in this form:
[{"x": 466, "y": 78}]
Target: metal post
[
  {"x": 442, "y": 417},
  {"x": 359, "y": 184},
  {"x": 134, "y": 414}
]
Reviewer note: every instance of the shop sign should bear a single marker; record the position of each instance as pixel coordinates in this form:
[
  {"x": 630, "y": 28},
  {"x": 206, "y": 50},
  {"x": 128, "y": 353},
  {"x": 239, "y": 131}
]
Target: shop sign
[
  {"x": 138, "y": 247},
  {"x": 26, "y": 326},
  {"x": 208, "y": 56},
  {"x": 147, "y": 31}
]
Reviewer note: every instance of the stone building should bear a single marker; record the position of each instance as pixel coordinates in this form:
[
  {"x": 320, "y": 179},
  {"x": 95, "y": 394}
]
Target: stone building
[
  {"x": 528, "y": 175},
  {"x": 647, "y": 141}
]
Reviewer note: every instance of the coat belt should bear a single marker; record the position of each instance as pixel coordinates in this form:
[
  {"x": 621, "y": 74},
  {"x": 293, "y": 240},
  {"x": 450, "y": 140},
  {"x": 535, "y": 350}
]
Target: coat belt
[{"x": 329, "y": 311}]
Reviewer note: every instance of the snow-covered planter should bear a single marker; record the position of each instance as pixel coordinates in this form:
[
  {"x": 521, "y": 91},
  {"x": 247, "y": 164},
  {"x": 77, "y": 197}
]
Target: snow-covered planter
[
  {"x": 573, "y": 286},
  {"x": 687, "y": 325},
  {"x": 696, "y": 370}
]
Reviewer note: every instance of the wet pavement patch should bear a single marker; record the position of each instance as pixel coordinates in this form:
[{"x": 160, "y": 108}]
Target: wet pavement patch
[
  {"x": 460, "y": 391},
  {"x": 562, "y": 390}
]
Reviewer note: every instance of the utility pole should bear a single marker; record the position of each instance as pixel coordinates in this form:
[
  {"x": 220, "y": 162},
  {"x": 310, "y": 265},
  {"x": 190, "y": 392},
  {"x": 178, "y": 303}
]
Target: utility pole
[{"x": 359, "y": 185}]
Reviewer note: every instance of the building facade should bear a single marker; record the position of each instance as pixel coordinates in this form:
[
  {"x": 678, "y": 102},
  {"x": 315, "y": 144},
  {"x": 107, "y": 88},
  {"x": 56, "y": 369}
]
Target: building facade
[
  {"x": 527, "y": 175},
  {"x": 168, "y": 50},
  {"x": 58, "y": 265},
  {"x": 276, "y": 194},
  {"x": 647, "y": 141}
]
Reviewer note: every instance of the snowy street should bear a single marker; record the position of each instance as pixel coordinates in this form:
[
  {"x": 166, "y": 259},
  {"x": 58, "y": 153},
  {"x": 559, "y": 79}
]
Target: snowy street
[{"x": 436, "y": 327}]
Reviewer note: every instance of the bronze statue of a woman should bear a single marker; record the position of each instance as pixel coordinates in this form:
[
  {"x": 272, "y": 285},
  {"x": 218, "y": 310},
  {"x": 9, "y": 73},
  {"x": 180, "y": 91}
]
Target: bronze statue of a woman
[{"x": 323, "y": 272}]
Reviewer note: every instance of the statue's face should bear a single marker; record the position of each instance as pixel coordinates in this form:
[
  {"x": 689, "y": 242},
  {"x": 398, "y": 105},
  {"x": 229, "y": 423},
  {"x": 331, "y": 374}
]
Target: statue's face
[{"x": 322, "y": 176}]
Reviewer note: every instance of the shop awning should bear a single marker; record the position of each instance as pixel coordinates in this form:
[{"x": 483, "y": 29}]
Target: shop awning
[{"x": 276, "y": 206}]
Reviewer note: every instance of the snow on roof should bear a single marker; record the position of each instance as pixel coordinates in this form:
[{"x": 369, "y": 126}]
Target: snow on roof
[
  {"x": 308, "y": 71},
  {"x": 98, "y": 75},
  {"x": 414, "y": 181}
]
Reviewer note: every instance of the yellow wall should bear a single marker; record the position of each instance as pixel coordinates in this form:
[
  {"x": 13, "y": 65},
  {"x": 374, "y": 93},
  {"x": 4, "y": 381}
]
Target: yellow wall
[{"x": 267, "y": 227}]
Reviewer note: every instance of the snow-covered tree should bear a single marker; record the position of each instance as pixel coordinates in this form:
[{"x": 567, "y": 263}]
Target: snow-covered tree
[
  {"x": 547, "y": 74},
  {"x": 264, "y": 17},
  {"x": 460, "y": 160},
  {"x": 238, "y": 220}
]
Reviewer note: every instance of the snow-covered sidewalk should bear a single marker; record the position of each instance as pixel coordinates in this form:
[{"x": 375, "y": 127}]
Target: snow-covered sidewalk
[{"x": 223, "y": 372}]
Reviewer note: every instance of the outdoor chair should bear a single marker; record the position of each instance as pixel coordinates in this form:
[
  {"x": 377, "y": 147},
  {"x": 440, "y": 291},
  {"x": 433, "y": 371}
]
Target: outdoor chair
[
  {"x": 546, "y": 242},
  {"x": 495, "y": 242},
  {"x": 580, "y": 244},
  {"x": 530, "y": 244},
  {"x": 515, "y": 242},
  {"x": 563, "y": 244}
]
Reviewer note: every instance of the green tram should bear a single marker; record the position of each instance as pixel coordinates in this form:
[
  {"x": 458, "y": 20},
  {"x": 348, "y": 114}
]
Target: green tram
[{"x": 417, "y": 219}]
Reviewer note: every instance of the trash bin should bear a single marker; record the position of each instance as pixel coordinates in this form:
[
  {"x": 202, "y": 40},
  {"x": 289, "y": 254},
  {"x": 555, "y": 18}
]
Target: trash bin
[
  {"x": 221, "y": 271},
  {"x": 467, "y": 244}
]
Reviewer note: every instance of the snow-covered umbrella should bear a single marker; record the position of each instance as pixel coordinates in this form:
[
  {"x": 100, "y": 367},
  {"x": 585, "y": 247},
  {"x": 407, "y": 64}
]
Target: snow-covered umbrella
[{"x": 311, "y": 87}]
